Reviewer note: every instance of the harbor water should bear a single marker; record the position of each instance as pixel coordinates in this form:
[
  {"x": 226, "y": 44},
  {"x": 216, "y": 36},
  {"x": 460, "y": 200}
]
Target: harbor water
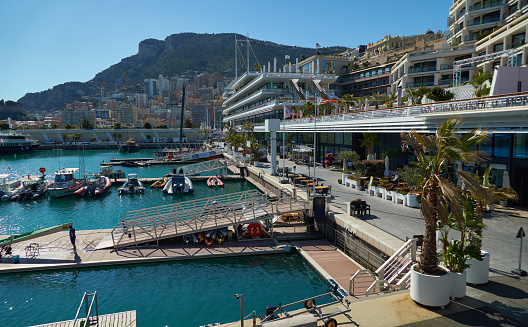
[
  {"x": 184, "y": 293},
  {"x": 89, "y": 213}
]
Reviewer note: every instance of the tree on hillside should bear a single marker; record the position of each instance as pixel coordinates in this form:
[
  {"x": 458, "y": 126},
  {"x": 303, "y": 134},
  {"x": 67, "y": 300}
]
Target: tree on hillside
[
  {"x": 68, "y": 126},
  {"x": 117, "y": 126},
  {"x": 147, "y": 125},
  {"x": 187, "y": 123}
]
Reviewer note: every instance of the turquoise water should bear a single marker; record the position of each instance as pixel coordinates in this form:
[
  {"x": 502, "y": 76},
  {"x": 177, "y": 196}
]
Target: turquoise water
[
  {"x": 87, "y": 213},
  {"x": 189, "y": 293}
]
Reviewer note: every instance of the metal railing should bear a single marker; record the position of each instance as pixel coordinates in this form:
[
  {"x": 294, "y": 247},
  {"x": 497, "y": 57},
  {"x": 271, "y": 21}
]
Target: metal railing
[
  {"x": 483, "y": 103},
  {"x": 486, "y": 5},
  {"x": 483, "y": 21},
  {"x": 359, "y": 281},
  {"x": 379, "y": 286},
  {"x": 399, "y": 263},
  {"x": 89, "y": 317},
  {"x": 204, "y": 166}
]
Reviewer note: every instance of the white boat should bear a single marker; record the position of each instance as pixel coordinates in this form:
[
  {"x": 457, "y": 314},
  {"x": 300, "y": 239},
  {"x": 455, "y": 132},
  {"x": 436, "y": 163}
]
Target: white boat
[
  {"x": 65, "y": 183},
  {"x": 8, "y": 185},
  {"x": 31, "y": 189},
  {"x": 13, "y": 143},
  {"x": 110, "y": 172},
  {"x": 132, "y": 185},
  {"x": 178, "y": 184}
]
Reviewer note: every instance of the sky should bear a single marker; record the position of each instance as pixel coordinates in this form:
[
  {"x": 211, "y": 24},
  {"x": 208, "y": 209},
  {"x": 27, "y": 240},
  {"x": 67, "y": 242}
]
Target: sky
[{"x": 44, "y": 43}]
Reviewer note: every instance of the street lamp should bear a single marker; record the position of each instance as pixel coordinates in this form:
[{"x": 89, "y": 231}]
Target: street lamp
[{"x": 241, "y": 297}]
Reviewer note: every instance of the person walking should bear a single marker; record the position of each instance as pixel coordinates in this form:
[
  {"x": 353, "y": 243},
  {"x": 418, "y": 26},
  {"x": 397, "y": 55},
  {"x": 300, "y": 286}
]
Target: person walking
[{"x": 72, "y": 239}]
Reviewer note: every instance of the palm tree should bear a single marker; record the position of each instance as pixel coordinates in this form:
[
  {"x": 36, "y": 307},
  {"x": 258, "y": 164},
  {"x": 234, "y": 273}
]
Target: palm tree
[
  {"x": 478, "y": 80},
  {"x": 230, "y": 135},
  {"x": 377, "y": 98},
  {"x": 440, "y": 94},
  {"x": 390, "y": 99},
  {"x": 368, "y": 142},
  {"x": 417, "y": 94},
  {"x": 308, "y": 109},
  {"x": 348, "y": 100},
  {"x": 248, "y": 134},
  {"x": 434, "y": 154}
]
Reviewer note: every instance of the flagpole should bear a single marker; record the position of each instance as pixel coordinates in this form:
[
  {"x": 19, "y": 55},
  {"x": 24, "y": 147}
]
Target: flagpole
[
  {"x": 283, "y": 141},
  {"x": 315, "y": 137}
]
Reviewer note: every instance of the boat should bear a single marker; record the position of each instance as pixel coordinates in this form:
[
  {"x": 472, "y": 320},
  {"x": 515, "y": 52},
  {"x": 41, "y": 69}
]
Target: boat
[
  {"x": 65, "y": 183},
  {"x": 8, "y": 185},
  {"x": 208, "y": 241},
  {"x": 214, "y": 181},
  {"x": 132, "y": 185},
  {"x": 130, "y": 146},
  {"x": 178, "y": 184},
  {"x": 160, "y": 183},
  {"x": 31, "y": 189},
  {"x": 94, "y": 185},
  {"x": 219, "y": 238},
  {"x": 13, "y": 143},
  {"x": 110, "y": 172},
  {"x": 143, "y": 164},
  {"x": 187, "y": 238}
]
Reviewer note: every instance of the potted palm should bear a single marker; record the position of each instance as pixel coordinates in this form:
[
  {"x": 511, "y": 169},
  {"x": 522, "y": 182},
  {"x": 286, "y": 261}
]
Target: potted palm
[
  {"x": 485, "y": 194},
  {"x": 430, "y": 283},
  {"x": 347, "y": 156},
  {"x": 456, "y": 253},
  {"x": 412, "y": 175}
]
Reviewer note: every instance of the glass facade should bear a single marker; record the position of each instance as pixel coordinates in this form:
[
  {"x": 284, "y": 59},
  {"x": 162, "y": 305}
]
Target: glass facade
[
  {"x": 501, "y": 147},
  {"x": 520, "y": 146}
]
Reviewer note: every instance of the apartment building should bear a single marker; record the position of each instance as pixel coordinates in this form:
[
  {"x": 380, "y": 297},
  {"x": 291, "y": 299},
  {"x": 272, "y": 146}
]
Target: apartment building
[
  {"x": 366, "y": 81},
  {"x": 431, "y": 68},
  {"x": 470, "y": 19},
  {"x": 511, "y": 36},
  {"x": 74, "y": 117}
]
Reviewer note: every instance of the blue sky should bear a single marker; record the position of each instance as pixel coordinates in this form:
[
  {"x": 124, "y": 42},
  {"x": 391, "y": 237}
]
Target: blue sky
[{"x": 45, "y": 43}]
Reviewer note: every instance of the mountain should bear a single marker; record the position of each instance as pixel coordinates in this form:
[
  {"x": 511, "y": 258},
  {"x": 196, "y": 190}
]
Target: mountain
[{"x": 176, "y": 55}]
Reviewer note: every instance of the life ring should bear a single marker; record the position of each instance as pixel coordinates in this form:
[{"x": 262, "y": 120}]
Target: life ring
[
  {"x": 254, "y": 230},
  {"x": 208, "y": 241}
]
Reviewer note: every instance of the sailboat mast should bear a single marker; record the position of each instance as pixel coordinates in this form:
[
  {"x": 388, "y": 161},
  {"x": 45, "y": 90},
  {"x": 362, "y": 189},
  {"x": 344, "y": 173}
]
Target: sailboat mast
[
  {"x": 181, "y": 117},
  {"x": 236, "y": 63},
  {"x": 247, "y": 48}
]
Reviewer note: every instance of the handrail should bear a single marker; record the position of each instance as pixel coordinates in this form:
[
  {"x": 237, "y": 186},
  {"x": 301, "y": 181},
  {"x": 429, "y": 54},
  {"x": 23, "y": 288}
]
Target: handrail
[
  {"x": 360, "y": 273},
  {"x": 404, "y": 281},
  {"x": 379, "y": 283},
  {"x": 88, "y": 310},
  {"x": 396, "y": 254}
]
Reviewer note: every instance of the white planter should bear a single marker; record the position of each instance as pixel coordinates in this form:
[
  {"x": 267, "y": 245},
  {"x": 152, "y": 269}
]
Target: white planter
[
  {"x": 412, "y": 200},
  {"x": 379, "y": 191},
  {"x": 458, "y": 285},
  {"x": 478, "y": 271},
  {"x": 430, "y": 290},
  {"x": 401, "y": 199},
  {"x": 356, "y": 184},
  {"x": 372, "y": 190},
  {"x": 348, "y": 182},
  {"x": 344, "y": 178},
  {"x": 389, "y": 195}
]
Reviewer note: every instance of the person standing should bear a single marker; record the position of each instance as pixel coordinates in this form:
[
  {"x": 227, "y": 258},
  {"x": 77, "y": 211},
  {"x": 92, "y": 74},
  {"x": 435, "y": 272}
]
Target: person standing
[{"x": 72, "y": 239}]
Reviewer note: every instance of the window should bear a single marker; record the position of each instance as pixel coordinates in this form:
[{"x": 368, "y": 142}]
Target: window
[
  {"x": 520, "y": 146},
  {"x": 498, "y": 47},
  {"x": 501, "y": 148},
  {"x": 338, "y": 138}
]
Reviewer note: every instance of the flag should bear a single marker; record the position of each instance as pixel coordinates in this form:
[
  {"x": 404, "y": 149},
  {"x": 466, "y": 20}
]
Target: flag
[
  {"x": 287, "y": 112},
  {"x": 286, "y": 57},
  {"x": 317, "y": 45},
  {"x": 321, "y": 101}
]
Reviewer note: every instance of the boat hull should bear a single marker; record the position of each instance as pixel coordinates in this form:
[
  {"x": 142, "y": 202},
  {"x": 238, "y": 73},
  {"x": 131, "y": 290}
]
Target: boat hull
[{"x": 64, "y": 191}]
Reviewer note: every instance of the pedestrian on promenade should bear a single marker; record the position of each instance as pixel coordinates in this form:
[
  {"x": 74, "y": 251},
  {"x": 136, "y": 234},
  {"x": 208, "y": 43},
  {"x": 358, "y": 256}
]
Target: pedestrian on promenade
[{"x": 72, "y": 238}]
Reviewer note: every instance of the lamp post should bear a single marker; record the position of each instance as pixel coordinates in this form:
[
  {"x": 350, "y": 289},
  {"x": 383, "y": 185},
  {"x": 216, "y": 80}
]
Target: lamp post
[
  {"x": 241, "y": 297},
  {"x": 284, "y": 180}
]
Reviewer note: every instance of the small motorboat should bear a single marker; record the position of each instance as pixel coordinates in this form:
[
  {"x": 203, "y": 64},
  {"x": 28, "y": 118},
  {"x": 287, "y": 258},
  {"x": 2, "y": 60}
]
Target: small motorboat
[
  {"x": 160, "y": 183},
  {"x": 31, "y": 189},
  {"x": 143, "y": 164},
  {"x": 8, "y": 186},
  {"x": 214, "y": 181},
  {"x": 178, "y": 184},
  {"x": 208, "y": 241},
  {"x": 65, "y": 183},
  {"x": 220, "y": 239},
  {"x": 94, "y": 185},
  {"x": 132, "y": 185},
  {"x": 187, "y": 238}
]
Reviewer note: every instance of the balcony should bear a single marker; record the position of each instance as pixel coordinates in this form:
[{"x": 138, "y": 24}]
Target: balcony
[
  {"x": 445, "y": 81},
  {"x": 470, "y": 38},
  {"x": 444, "y": 67},
  {"x": 420, "y": 84},
  {"x": 484, "y": 21},
  {"x": 462, "y": 12},
  {"x": 486, "y": 5},
  {"x": 421, "y": 69}
]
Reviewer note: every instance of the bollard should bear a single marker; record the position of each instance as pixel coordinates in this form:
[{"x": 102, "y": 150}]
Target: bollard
[{"x": 254, "y": 319}]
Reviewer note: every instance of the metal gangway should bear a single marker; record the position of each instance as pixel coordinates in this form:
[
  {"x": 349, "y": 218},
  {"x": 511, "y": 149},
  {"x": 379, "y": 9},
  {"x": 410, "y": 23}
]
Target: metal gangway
[
  {"x": 91, "y": 311},
  {"x": 168, "y": 221},
  {"x": 204, "y": 166}
]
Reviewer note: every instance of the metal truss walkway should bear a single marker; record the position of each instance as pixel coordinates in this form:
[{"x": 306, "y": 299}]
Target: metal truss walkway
[
  {"x": 168, "y": 221},
  {"x": 204, "y": 166}
]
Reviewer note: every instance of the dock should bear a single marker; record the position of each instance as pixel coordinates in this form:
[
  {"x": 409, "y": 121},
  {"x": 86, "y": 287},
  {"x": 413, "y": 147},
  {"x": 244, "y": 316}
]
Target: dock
[
  {"x": 126, "y": 318},
  {"x": 55, "y": 252}
]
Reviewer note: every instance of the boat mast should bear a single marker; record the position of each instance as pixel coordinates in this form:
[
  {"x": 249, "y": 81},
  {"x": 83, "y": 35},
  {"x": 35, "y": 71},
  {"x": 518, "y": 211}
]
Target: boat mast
[
  {"x": 236, "y": 64},
  {"x": 181, "y": 117}
]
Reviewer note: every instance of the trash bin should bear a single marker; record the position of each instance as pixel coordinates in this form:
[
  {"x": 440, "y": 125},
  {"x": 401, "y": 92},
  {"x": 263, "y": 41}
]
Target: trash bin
[{"x": 16, "y": 259}]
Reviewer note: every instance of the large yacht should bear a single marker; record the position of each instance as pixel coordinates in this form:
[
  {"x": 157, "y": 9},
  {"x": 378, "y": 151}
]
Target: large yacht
[{"x": 12, "y": 142}]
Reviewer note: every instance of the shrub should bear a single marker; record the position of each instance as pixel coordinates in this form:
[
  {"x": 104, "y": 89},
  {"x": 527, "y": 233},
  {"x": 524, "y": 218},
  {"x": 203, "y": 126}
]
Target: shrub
[{"x": 374, "y": 167}]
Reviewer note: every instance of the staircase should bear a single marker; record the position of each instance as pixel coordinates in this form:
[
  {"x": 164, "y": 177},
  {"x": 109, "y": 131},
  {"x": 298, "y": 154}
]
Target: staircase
[
  {"x": 296, "y": 89},
  {"x": 394, "y": 274}
]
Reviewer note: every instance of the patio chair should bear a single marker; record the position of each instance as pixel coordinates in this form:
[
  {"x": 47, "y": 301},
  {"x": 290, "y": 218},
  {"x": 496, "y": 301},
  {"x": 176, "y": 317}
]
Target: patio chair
[{"x": 364, "y": 208}]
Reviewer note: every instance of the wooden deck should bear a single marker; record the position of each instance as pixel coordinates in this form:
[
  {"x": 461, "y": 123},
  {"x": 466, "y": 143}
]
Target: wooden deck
[
  {"x": 329, "y": 261},
  {"x": 121, "y": 319},
  {"x": 55, "y": 252}
]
